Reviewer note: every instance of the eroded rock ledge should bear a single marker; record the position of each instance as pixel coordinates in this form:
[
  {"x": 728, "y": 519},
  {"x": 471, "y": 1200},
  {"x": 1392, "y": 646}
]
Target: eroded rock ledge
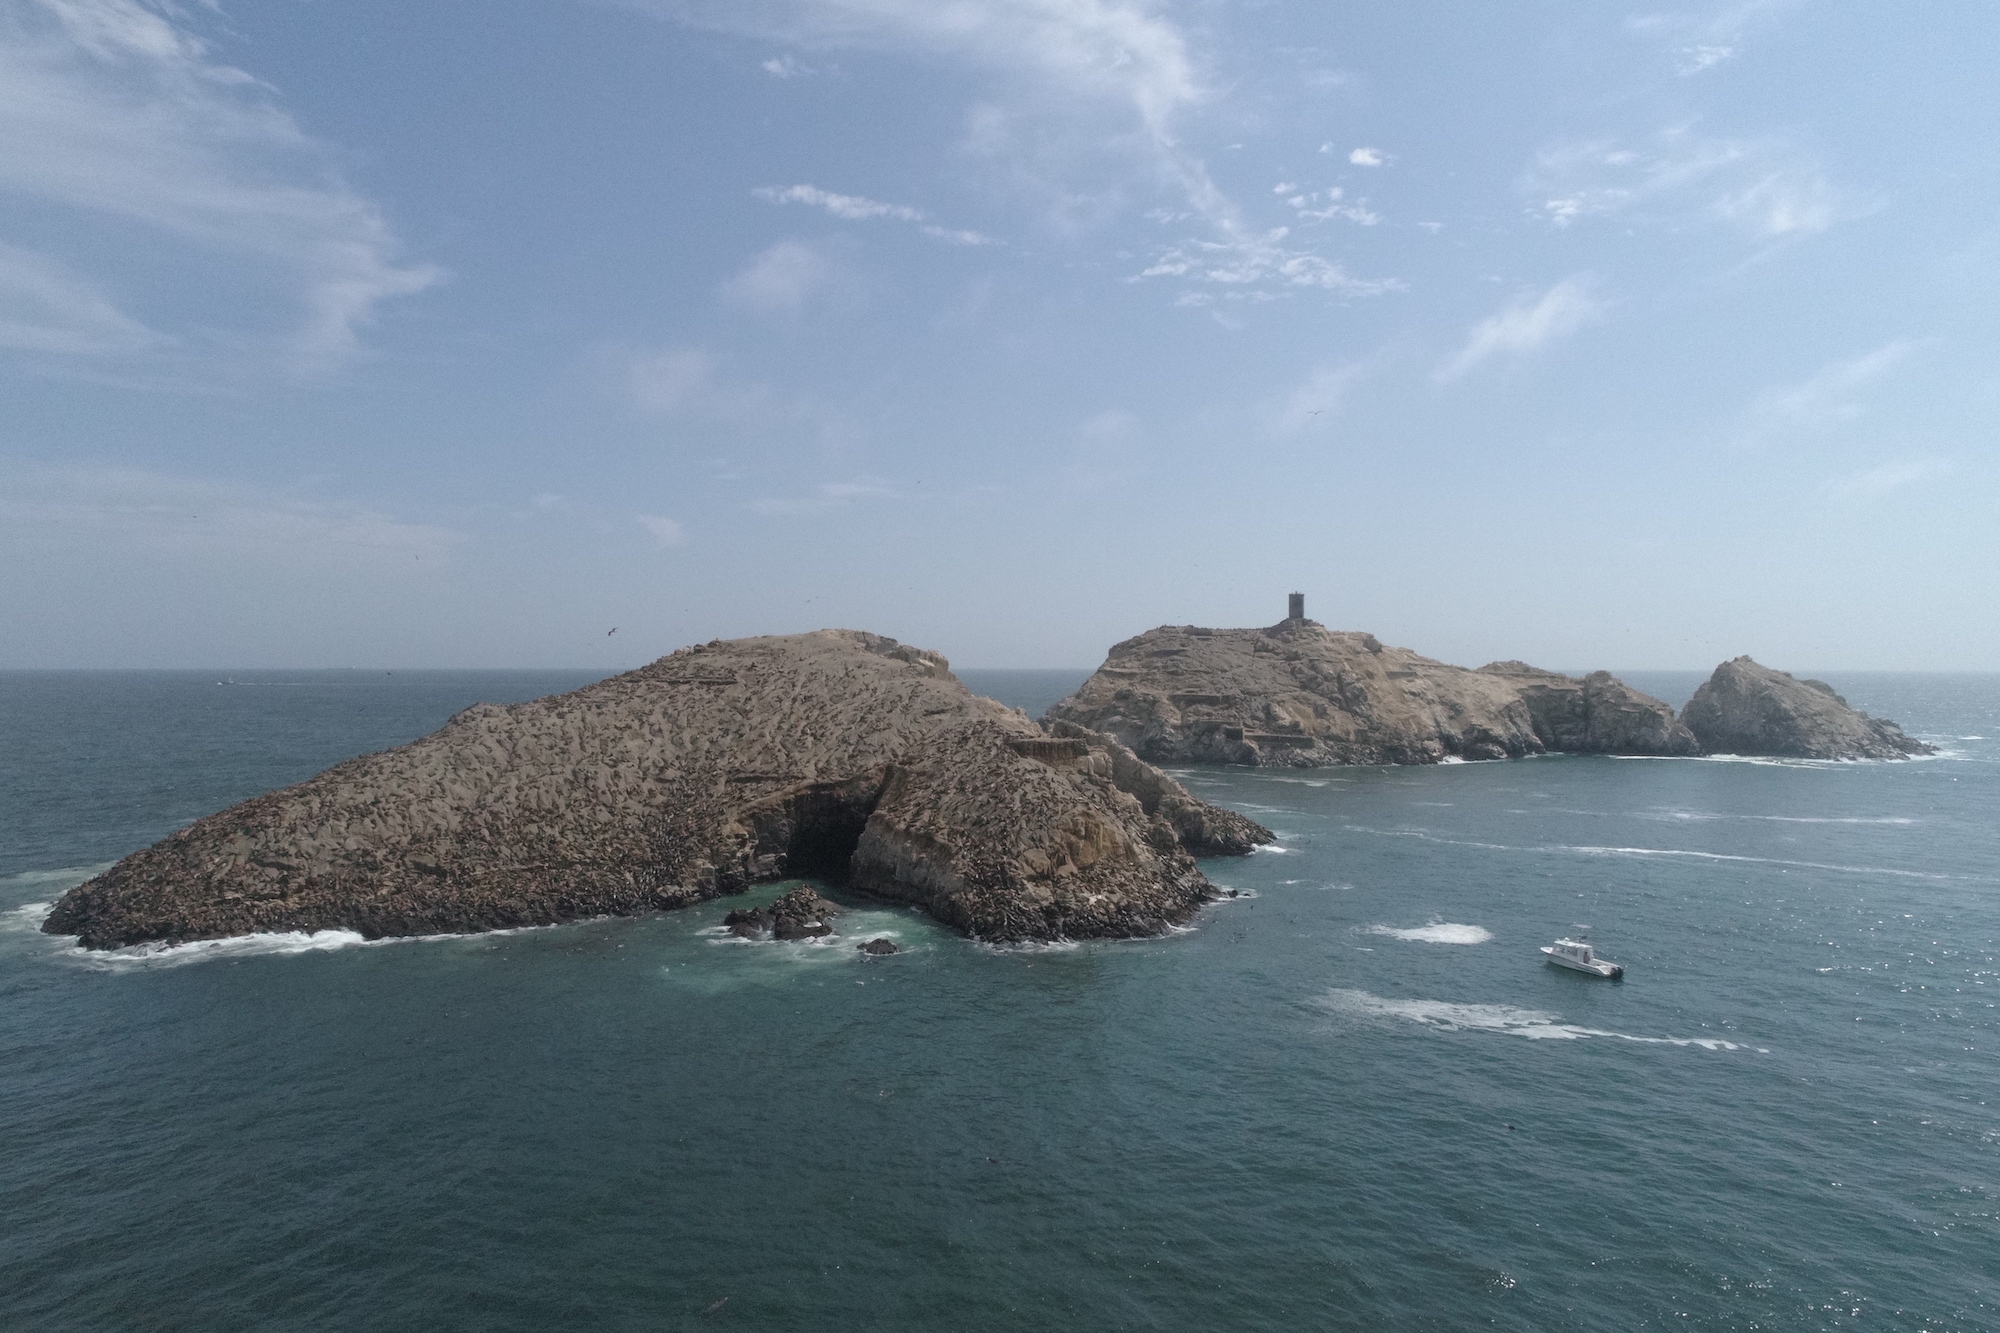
[
  {"x": 1297, "y": 694},
  {"x": 836, "y": 753}
]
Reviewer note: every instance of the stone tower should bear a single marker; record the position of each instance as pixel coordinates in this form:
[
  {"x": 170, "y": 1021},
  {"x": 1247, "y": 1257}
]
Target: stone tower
[{"x": 1297, "y": 610}]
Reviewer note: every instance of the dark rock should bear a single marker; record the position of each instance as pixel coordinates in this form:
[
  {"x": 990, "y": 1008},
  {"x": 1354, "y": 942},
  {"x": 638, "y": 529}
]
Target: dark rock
[
  {"x": 1596, "y": 714},
  {"x": 878, "y": 947},
  {"x": 832, "y": 754},
  {"x": 799, "y": 915},
  {"x": 1749, "y": 709}
]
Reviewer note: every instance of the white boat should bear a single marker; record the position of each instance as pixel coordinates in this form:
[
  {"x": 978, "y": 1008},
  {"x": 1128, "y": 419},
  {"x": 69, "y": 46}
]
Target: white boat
[{"x": 1578, "y": 954}]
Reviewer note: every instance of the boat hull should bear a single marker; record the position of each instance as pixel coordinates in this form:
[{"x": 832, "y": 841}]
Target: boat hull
[{"x": 1597, "y": 967}]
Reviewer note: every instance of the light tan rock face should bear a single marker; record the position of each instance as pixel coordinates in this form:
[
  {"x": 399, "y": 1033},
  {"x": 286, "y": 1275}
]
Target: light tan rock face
[
  {"x": 1594, "y": 714},
  {"x": 1295, "y": 695},
  {"x": 835, "y": 753},
  {"x": 1300, "y": 695},
  {"x": 1746, "y": 708}
]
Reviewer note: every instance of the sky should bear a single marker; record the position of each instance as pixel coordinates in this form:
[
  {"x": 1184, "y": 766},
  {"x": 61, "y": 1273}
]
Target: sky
[{"x": 363, "y": 333}]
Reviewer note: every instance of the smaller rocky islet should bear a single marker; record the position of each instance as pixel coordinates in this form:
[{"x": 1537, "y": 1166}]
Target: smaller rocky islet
[
  {"x": 1750, "y": 709},
  {"x": 1299, "y": 695}
]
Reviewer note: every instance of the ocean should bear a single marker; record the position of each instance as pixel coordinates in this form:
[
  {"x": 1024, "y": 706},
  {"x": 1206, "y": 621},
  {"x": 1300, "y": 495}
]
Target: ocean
[{"x": 1353, "y": 1097}]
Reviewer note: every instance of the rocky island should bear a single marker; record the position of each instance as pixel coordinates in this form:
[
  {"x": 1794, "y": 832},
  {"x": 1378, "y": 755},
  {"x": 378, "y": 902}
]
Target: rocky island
[
  {"x": 1749, "y": 709},
  {"x": 1297, "y": 694},
  {"x": 835, "y": 754}
]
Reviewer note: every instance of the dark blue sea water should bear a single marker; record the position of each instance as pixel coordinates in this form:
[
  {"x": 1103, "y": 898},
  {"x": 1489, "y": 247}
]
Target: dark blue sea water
[{"x": 1355, "y": 1099}]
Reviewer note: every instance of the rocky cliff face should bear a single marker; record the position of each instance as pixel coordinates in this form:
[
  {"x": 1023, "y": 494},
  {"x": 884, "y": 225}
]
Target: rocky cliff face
[
  {"x": 835, "y": 753},
  {"x": 1300, "y": 695},
  {"x": 1746, "y": 708},
  {"x": 1597, "y": 714},
  {"x": 1295, "y": 695}
]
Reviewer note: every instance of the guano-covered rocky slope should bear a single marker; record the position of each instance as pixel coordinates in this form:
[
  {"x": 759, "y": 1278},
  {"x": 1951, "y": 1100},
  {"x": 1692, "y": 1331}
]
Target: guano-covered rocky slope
[
  {"x": 1297, "y": 694},
  {"x": 835, "y": 753}
]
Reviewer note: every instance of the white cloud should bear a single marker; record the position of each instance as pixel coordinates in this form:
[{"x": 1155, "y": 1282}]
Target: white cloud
[
  {"x": 1324, "y": 205},
  {"x": 832, "y": 495},
  {"x": 1103, "y": 48},
  {"x": 1781, "y": 204},
  {"x": 1878, "y": 481},
  {"x": 1698, "y": 42},
  {"x": 46, "y": 308},
  {"x": 857, "y": 208},
  {"x": 110, "y": 109},
  {"x": 1829, "y": 396},
  {"x": 197, "y": 518},
  {"x": 1368, "y": 157},
  {"x": 666, "y": 531},
  {"x": 786, "y": 67},
  {"x": 1259, "y": 266},
  {"x": 1760, "y": 186},
  {"x": 1083, "y": 83},
  {"x": 781, "y": 279},
  {"x": 1528, "y": 325},
  {"x": 850, "y": 206}
]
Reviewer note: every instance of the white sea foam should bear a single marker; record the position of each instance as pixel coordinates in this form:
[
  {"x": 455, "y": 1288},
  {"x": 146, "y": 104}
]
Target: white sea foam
[
  {"x": 847, "y": 939},
  {"x": 1703, "y": 817},
  {"x": 1437, "y": 932},
  {"x": 265, "y": 944},
  {"x": 1534, "y": 1024},
  {"x": 1643, "y": 852},
  {"x": 139, "y": 956},
  {"x": 1271, "y": 847},
  {"x": 1761, "y": 860},
  {"x": 26, "y": 917}
]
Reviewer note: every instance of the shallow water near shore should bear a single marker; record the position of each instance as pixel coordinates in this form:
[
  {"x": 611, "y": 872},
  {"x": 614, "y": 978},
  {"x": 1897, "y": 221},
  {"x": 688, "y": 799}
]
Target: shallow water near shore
[{"x": 1351, "y": 1098}]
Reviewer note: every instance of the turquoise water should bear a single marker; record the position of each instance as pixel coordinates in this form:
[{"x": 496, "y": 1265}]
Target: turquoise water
[{"x": 1353, "y": 1099}]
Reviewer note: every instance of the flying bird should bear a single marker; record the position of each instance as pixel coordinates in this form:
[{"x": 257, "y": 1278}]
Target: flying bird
[{"x": 613, "y": 630}]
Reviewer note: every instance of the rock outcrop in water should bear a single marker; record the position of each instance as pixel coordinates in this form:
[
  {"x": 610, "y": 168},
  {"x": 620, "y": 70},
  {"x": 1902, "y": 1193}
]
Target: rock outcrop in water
[
  {"x": 1300, "y": 695},
  {"x": 1749, "y": 709},
  {"x": 801, "y": 914},
  {"x": 835, "y": 753},
  {"x": 1594, "y": 714}
]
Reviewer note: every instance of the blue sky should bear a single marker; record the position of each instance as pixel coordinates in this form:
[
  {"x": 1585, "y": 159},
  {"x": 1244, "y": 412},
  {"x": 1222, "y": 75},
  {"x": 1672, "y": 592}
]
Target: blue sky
[{"x": 348, "y": 332}]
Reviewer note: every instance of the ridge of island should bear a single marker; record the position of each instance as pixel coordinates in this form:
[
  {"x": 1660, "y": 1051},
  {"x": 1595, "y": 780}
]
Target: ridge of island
[
  {"x": 836, "y": 754},
  {"x": 1299, "y": 695}
]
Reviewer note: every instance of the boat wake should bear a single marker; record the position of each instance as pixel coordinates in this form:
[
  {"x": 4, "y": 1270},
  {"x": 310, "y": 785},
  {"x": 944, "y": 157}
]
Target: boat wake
[
  {"x": 1585, "y": 850},
  {"x": 1534, "y": 1024}
]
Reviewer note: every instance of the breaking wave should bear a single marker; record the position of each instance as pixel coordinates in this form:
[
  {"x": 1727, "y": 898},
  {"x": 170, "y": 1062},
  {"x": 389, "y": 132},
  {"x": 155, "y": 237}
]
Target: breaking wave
[
  {"x": 274, "y": 943},
  {"x": 1437, "y": 932},
  {"x": 1534, "y": 1024}
]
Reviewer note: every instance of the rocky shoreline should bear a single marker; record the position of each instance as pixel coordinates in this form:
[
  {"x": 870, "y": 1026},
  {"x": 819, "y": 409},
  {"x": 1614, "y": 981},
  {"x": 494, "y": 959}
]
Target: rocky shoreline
[{"x": 836, "y": 754}]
